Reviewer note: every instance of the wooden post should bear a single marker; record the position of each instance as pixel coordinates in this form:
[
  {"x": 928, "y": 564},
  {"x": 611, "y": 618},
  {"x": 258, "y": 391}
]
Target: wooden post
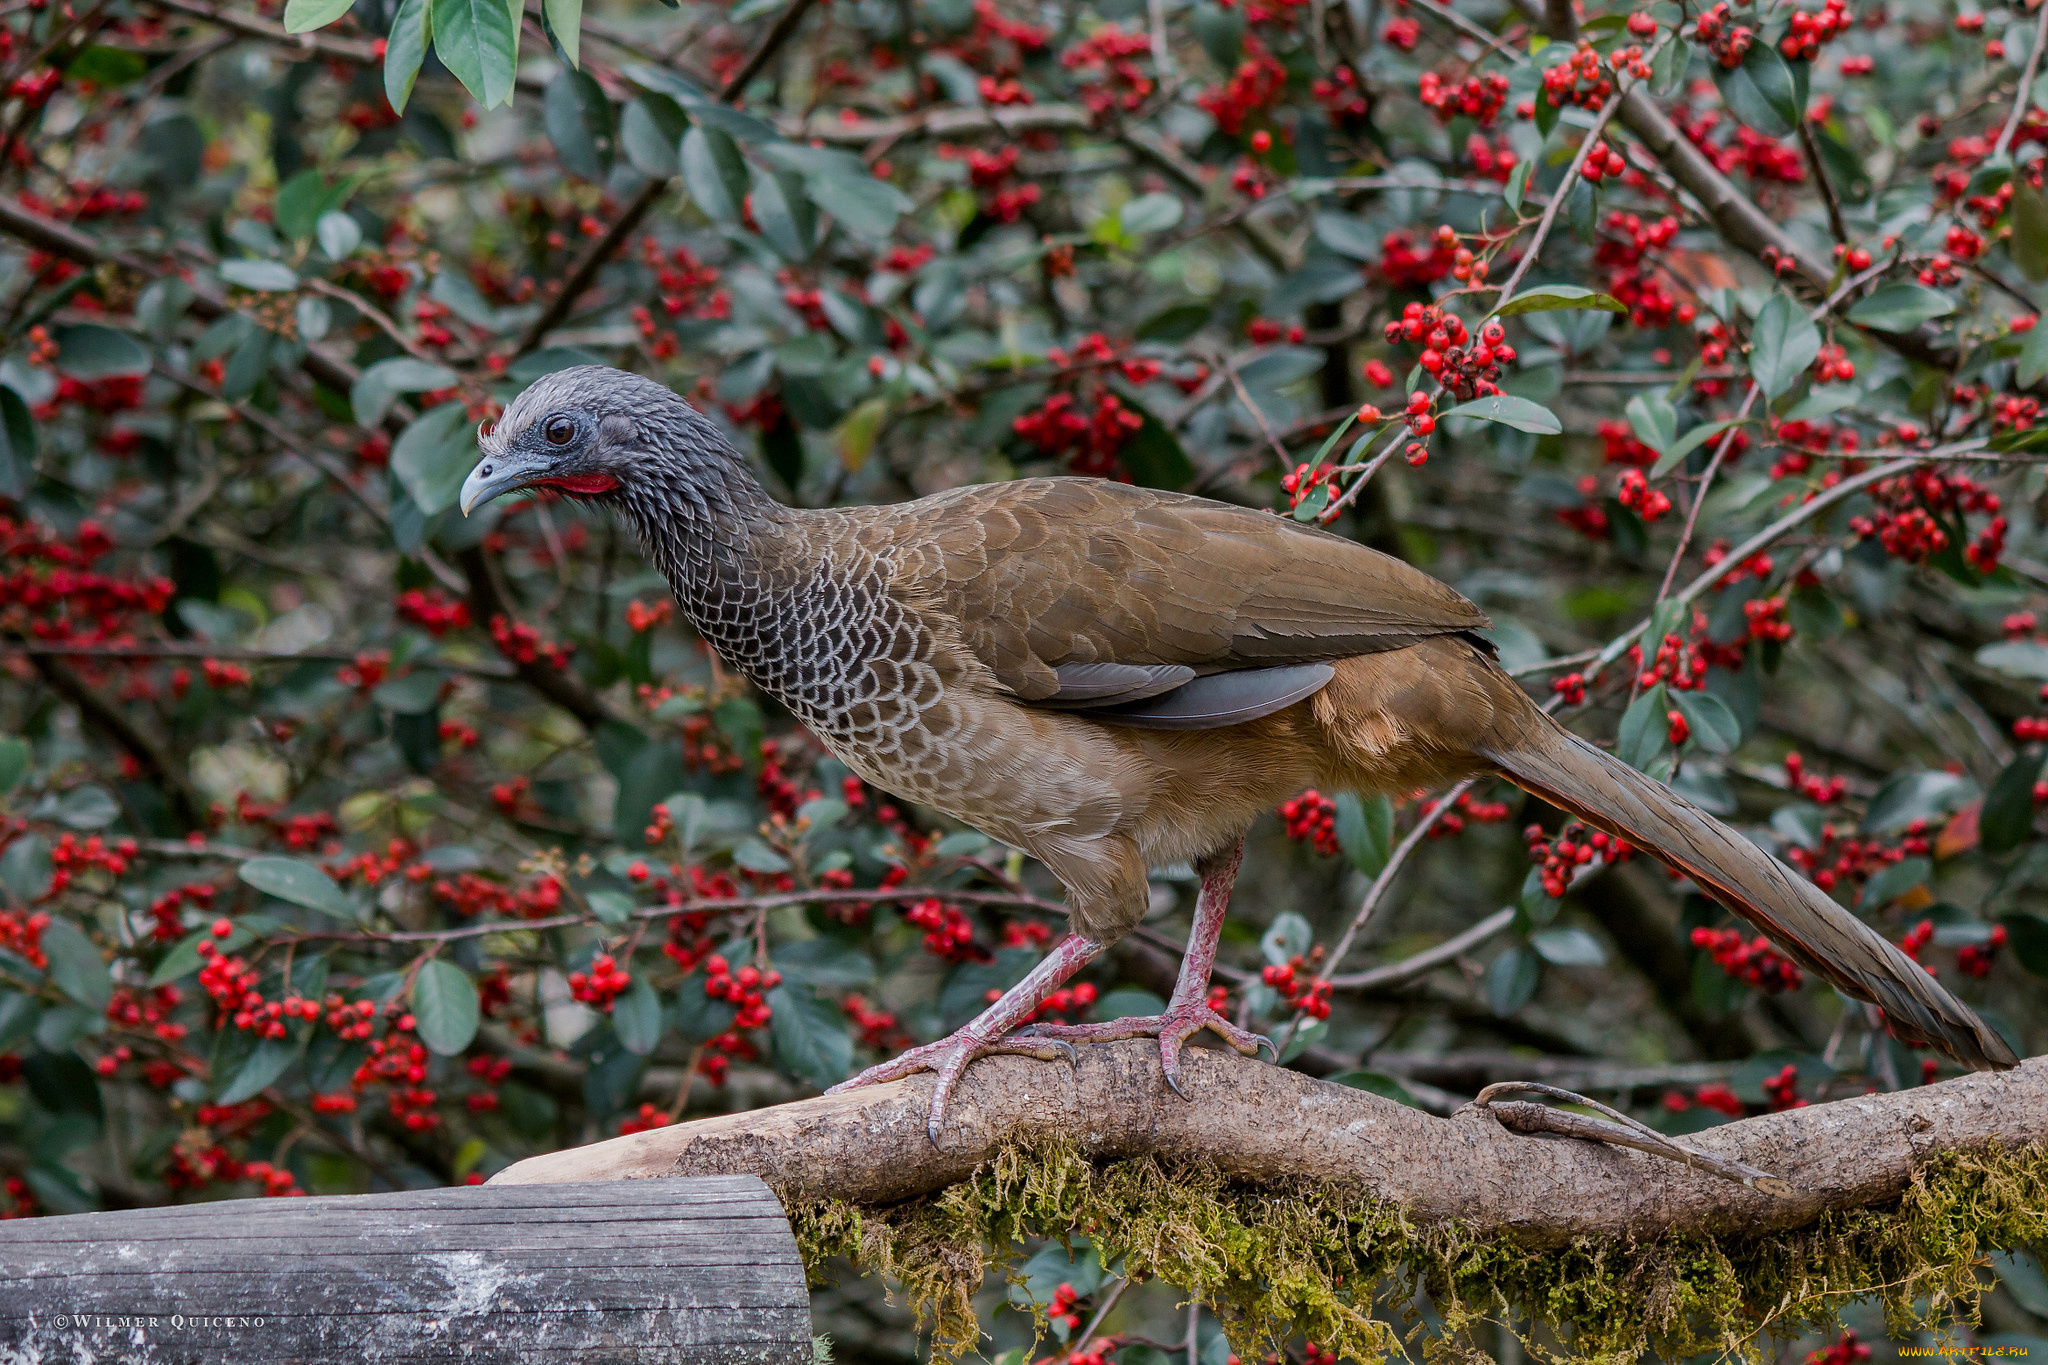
[{"x": 700, "y": 1271}]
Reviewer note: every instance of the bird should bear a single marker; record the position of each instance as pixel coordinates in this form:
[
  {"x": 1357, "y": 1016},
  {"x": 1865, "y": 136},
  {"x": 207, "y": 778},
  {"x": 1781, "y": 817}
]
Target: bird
[{"x": 1113, "y": 678}]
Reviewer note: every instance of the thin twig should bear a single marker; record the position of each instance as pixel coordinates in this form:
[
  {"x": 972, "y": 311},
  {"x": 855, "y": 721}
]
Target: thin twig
[
  {"x": 2024, "y": 95},
  {"x": 1402, "y": 972},
  {"x": 1378, "y": 890},
  {"x": 1820, "y": 176}
]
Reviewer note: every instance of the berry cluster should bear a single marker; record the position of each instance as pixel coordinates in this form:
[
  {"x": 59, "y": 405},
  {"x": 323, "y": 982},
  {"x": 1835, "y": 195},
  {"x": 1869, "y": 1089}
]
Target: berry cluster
[
  {"x": 1781, "y": 1089},
  {"x": 1476, "y": 97},
  {"x": 1296, "y": 982},
  {"x": 1845, "y": 1350},
  {"x": 1754, "y": 962},
  {"x": 743, "y": 989},
  {"x": 877, "y": 1027},
  {"x": 1822, "y": 791},
  {"x": 644, "y": 1120},
  {"x": 1559, "y": 859},
  {"x": 1466, "y": 366},
  {"x": 1636, "y": 494},
  {"x": 1064, "y": 1308},
  {"x": 1580, "y": 79},
  {"x": 1836, "y": 861},
  {"x": 1112, "y": 54},
  {"x": 1811, "y": 28},
  {"x": 522, "y": 643},
  {"x": 1468, "y": 807},
  {"x": 1403, "y": 267},
  {"x": 1602, "y": 162},
  {"x": 1729, "y": 43},
  {"x": 947, "y": 934},
  {"x": 1833, "y": 366},
  {"x": 1312, "y": 818},
  {"x": 1718, "y": 1096},
  {"x": 1974, "y": 959},
  {"x": 603, "y": 984}
]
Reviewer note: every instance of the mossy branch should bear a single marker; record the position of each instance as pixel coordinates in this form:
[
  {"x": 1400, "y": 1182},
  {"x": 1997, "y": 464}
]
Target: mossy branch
[{"x": 1293, "y": 1205}]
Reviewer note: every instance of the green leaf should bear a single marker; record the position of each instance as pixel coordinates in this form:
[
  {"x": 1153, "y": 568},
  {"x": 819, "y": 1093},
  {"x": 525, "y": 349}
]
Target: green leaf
[
  {"x": 299, "y": 203},
  {"x": 88, "y": 807},
  {"x": 1687, "y": 444},
  {"x": 265, "y": 1063},
  {"x": 2029, "y": 243},
  {"x": 405, "y": 48},
  {"x": 87, "y": 350},
  {"x": 2028, "y": 935},
  {"x": 1154, "y": 457},
  {"x": 714, "y": 173},
  {"x": 433, "y": 456},
  {"x": 1365, "y": 831},
  {"x": 106, "y": 67},
  {"x": 444, "y": 1006},
  {"x": 868, "y": 206},
  {"x": 1894, "y": 881},
  {"x": 650, "y": 131},
  {"x": 2033, "y": 362},
  {"x": 1568, "y": 948},
  {"x": 76, "y": 967},
  {"x": 1549, "y": 298},
  {"x": 1508, "y": 410},
  {"x": 26, "y": 868},
  {"x": 1182, "y": 320},
  {"x": 1511, "y": 981},
  {"x": 2007, "y": 819},
  {"x": 1286, "y": 938},
  {"x": 1714, "y": 727},
  {"x": 2016, "y": 658},
  {"x": 578, "y": 118},
  {"x": 1644, "y": 728},
  {"x": 300, "y": 882},
  {"x": 810, "y": 1036},
  {"x": 375, "y": 388},
  {"x": 636, "y": 1017},
  {"x": 1909, "y": 796},
  {"x": 183, "y": 959},
  {"x": 479, "y": 43},
  {"x": 257, "y": 276},
  {"x": 786, "y": 217},
  {"x": 1654, "y": 420},
  {"x": 1155, "y": 212},
  {"x": 414, "y": 694},
  {"x": 565, "y": 22},
  {"x": 303, "y": 16},
  {"x": 1761, "y": 92},
  {"x": 1783, "y": 343},
  {"x": 1517, "y": 186},
  {"x": 17, "y": 446},
  {"x": 14, "y": 760},
  {"x": 1901, "y": 307},
  {"x": 339, "y": 235}
]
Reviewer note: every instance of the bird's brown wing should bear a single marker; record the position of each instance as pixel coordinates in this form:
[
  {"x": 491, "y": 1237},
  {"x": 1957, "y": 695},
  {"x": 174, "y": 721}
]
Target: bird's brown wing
[{"x": 1051, "y": 578}]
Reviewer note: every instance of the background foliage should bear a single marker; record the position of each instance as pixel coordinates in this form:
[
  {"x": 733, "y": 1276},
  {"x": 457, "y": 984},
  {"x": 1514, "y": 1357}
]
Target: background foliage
[{"x": 348, "y": 844}]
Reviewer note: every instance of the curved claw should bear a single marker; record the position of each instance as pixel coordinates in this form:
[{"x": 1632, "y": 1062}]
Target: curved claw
[
  {"x": 947, "y": 1059},
  {"x": 1262, "y": 1041}
]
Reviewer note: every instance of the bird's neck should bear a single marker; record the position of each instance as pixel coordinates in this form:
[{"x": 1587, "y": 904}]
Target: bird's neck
[{"x": 736, "y": 559}]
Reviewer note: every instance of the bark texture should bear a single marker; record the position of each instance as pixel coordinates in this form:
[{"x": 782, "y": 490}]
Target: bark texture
[{"x": 1255, "y": 1121}]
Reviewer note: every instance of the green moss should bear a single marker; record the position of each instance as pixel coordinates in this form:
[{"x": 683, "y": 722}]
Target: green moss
[{"x": 1291, "y": 1258}]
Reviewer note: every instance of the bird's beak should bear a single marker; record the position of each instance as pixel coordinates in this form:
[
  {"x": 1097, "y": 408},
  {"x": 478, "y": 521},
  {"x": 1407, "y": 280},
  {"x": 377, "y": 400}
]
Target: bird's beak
[{"x": 497, "y": 474}]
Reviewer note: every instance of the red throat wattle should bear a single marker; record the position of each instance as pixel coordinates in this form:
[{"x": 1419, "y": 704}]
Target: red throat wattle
[{"x": 583, "y": 485}]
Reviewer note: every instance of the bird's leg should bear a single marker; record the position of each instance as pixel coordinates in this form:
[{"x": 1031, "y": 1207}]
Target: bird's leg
[
  {"x": 985, "y": 1033},
  {"x": 1188, "y": 1013}
]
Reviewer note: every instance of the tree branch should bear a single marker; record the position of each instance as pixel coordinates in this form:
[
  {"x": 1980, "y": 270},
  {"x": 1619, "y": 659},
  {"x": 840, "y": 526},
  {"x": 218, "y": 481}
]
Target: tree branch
[{"x": 1259, "y": 1122}]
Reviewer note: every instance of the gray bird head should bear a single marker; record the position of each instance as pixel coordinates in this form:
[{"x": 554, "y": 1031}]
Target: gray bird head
[{"x": 595, "y": 432}]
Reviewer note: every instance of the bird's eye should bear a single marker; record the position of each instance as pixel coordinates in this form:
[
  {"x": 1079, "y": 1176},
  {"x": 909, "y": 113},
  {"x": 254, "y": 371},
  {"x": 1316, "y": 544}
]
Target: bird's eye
[{"x": 560, "y": 431}]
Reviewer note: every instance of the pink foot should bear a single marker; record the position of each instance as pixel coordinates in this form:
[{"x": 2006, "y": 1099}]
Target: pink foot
[
  {"x": 1176, "y": 1026},
  {"x": 948, "y": 1058}
]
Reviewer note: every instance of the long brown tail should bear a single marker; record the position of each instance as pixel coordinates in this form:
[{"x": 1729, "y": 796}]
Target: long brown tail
[{"x": 1545, "y": 758}]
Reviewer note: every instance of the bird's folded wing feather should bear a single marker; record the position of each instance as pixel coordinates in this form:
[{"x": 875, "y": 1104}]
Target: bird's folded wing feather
[{"x": 1049, "y": 576}]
